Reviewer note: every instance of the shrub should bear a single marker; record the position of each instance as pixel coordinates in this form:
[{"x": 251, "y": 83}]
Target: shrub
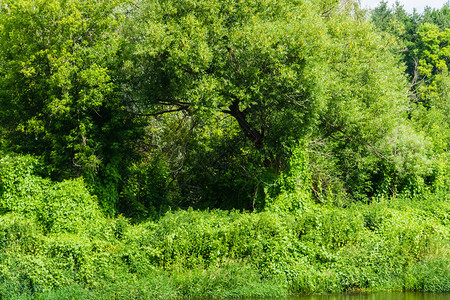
[
  {"x": 19, "y": 233},
  {"x": 68, "y": 207},
  {"x": 63, "y": 206},
  {"x": 21, "y": 190}
]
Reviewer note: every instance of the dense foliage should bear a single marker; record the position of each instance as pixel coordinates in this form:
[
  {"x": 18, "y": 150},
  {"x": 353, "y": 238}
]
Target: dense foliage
[
  {"x": 222, "y": 148},
  {"x": 58, "y": 244}
]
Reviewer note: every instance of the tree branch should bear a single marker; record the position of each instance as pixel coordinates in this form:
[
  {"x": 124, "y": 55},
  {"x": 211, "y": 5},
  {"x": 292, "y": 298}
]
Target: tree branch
[
  {"x": 181, "y": 108},
  {"x": 254, "y": 135}
]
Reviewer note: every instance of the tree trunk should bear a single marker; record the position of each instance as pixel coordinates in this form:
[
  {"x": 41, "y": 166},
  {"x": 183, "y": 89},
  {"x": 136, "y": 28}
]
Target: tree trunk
[{"x": 254, "y": 135}]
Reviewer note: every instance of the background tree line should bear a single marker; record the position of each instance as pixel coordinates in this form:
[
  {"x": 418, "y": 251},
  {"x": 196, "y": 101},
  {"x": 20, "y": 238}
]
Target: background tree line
[{"x": 207, "y": 104}]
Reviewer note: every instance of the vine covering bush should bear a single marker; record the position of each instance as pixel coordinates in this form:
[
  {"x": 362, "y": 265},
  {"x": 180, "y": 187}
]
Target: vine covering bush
[{"x": 67, "y": 248}]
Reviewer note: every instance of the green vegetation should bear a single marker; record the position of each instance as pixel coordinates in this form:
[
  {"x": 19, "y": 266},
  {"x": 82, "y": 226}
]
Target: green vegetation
[
  {"x": 57, "y": 244},
  {"x": 163, "y": 149}
]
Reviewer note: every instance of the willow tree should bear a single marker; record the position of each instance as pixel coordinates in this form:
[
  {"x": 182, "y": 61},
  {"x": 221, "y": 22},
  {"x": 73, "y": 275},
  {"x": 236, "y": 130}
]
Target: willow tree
[{"x": 283, "y": 71}]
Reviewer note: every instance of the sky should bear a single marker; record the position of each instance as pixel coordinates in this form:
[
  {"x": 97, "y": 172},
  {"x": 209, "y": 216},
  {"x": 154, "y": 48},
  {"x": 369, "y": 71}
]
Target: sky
[{"x": 409, "y": 5}]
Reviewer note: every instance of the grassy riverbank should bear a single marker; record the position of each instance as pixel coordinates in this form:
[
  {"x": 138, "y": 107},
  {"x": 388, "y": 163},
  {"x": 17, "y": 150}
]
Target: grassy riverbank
[{"x": 391, "y": 244}]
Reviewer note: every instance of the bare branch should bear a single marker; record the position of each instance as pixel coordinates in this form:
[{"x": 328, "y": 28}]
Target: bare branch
[{"x": 161, "y": 112}]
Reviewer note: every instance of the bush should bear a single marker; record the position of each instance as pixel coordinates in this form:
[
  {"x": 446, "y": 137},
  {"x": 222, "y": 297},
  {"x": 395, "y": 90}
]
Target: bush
[
  {"x": 19, "y": 233},
  {"x": 59, "y": 206},
  {"x": 145, "y": 193},
  {"x": 70, "y": 249},
  {"x": 68, "y": 207},
  {"x": 21, "y": 190}
]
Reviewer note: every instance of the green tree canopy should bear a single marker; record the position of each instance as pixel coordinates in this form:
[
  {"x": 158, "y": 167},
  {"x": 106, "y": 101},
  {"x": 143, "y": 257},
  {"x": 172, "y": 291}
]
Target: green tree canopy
[
  {"x": 425, "y": 42},
  {"x": 283, "y": 70},
  {"x": 257, "y": 61},
  {"x": 227, "y": 91},
  {"x": 59, "y": 95}
]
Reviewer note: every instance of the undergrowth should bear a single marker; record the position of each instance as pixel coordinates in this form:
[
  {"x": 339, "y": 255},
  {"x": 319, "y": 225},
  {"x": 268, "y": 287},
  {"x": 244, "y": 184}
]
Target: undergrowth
[{"x": 56, "y": 244}]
